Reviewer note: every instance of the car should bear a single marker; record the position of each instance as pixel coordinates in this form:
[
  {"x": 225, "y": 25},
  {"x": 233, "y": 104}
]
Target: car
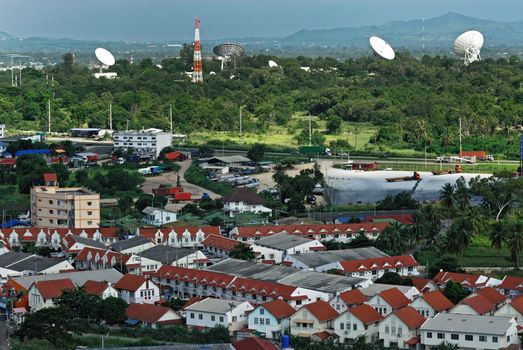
[{"x": 343, "y": 154}]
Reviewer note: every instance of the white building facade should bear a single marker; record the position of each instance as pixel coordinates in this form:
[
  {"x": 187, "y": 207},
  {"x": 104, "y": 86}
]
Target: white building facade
[{"x": 145, "y": 143}]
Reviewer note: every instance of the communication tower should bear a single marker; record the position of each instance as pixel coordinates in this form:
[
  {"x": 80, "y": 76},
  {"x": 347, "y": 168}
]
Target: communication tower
[{"x": 197, "y": 69}]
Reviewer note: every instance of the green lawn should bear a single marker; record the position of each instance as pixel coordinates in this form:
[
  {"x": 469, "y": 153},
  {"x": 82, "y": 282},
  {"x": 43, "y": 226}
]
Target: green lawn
[{"x": 486, "y": 168}]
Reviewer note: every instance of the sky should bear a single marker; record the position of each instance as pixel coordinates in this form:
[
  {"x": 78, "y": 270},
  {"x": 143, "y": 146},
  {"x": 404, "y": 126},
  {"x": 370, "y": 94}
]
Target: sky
[{"x": 172, "y": 20}]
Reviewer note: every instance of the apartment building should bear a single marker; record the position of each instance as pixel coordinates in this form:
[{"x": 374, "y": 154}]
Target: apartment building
[
  {"x": 146, "y": 143},
  {"x": 68, "y": 207}
]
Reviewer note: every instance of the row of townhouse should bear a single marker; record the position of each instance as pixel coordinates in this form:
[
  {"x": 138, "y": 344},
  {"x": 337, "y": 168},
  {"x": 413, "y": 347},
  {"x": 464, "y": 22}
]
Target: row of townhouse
[{"x": 321, "y": 232}]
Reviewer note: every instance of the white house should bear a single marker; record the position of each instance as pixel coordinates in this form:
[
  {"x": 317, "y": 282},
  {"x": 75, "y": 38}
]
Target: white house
[
  {"x": 388, "y": 301},
  {"x": 375, "y": 268},
  {"x": 271, "y": 319},
  {"x": 102, "y": 289},
  {"x": 376, "y": 288},
  {"x": 152, "y": 316},
  {"x": 470, "y": 331},
  {"x": 313, "y": 318},
  {"x": 278, "y": 246},
  {"x": 243, "y": 200},
  {"x": 513, "y": 308},
  {"x": 134, "y": 245},
  {"x": 400, "y": 328},
  {"x": 431, "y": 303},
  {"x": 43, "y": 293},
  {"x": 145, "y": 143},
  {"x": 221, "y": 246},
  {"x": 158, "y": 217},
  {"x": 347, "y": 299},
  {"x": 361, "y": 320},
  {"x": 137, "y": 290},
  {"x": 212, "y": 312},
  {"x": 474, "y": 305}
]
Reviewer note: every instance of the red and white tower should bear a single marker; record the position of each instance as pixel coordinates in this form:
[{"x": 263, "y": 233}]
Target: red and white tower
[{"x": 197, "y": 69}]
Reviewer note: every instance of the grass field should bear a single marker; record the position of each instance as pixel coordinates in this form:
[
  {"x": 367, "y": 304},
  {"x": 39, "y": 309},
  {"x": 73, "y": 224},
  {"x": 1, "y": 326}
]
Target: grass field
[{"x": 486, "y": 168}]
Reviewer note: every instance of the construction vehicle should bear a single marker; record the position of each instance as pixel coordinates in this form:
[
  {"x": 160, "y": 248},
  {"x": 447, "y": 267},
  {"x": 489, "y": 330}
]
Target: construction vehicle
[
  {"x": 415, "y": 177},
  {"x": 457, "y": 170}
]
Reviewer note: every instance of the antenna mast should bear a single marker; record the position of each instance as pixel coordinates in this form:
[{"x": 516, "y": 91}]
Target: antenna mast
[
  {"x": 241, "y": 126},
  {"x": 171, "y": 116},
  {"x": 49, "y": 116},
  {"x": 460, "y": 135},
  {"x": 12, "y": 72},
  {"x": 197, "y": 71},
  {"x": 111, "y": 115},
  {"x": 310, "y": 130}
]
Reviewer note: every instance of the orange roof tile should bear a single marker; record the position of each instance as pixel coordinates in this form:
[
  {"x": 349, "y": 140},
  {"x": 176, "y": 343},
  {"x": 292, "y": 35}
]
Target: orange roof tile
[
  {"x": 146, "y": 312},
  {"x": 278, "y": 308},
  {"x": 480, "y": 304},
  {"x": 517, "y": 303},
  {"x": 366, "y": 314},
  {"x": 53, "y": 288},
  {"x": 322, "y": 310},
  {"x": 437, "y": 301},
  {"x": 130, "y": 282},
  {"x": 252, "y": 343},
  {"x": 394, "y": 298},
  {"x": 492, "y": 295},
  {"x": 512, "y": 283},
  {"x": 410, "y": 316},
  {"x": 307, "y": 229},
  {"x": 465, "y": 279},
  {"x": 391, "y": 262},
  {"x": 95, "y": 287},
  {"x": 353, "y": 297},
  {"x": 201, "y": 277},
  {"x": 50, "y": 177},
  {"x": 220, "y": 242},
  {"x": 420, "y": 283}
]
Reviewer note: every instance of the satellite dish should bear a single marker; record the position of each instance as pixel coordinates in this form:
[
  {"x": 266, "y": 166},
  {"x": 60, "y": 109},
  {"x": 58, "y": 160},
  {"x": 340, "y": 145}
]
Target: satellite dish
[
  {"x": 468, "y": 46},
  {"x": 382, "y": 48},
  {"x": 227, "y": 52},
  {"x": 272, "y": 64},
  {"x": 105, "y": 57}
]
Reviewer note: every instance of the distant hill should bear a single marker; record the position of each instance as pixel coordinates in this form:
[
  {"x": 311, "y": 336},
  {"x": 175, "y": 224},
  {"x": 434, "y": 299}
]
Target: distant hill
[
  {"x": 5, "y": 36},
  {"x": 440, "y": 32}
]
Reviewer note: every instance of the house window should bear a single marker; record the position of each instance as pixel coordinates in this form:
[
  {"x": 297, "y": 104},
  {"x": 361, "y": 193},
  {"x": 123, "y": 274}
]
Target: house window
[
  {"x": 256, "y": 320},
  {"x": 51, "y": 211},
  {"x": 192, "y": 314},
  {"x": 213, "y": 318},
  {"x": 429, "y": 334},
  {"x": 454, "y": 336},
  {"x": 482, "y": 338},
  {"x": 235, "y": 319},
  {"x": 89, "y": 203},
  {"x": 262, "y": 311},
  {"x": 354, "y": 326},
  {"x": 494, "y": 339},
  {"x": 342, "y": 326},
  {"x": 262, "y": 321},
  {"x": 89, "y": 213},
  {"x": 89, "y": 222},
  {"x": 200, "y": 316},
  {"x": 267, "y": 322},
  {"x": 469, "y": 337},
  {"x": 50, "y": 202},
  {"x": 387, "y": 330},
  {"x": 441, "y": 336},
  {"x": 400, "y": 330},
  {"x": 221, "y": 318}
]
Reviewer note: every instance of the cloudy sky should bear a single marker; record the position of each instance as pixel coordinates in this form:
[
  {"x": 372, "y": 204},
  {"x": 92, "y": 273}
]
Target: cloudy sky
[{"x": 160, "y": 20}]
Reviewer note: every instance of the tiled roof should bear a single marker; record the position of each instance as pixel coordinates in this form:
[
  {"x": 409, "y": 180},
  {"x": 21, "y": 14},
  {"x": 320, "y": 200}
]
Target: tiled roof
[
  {"x": 517, "y": 303},
  {"x": 253, "y": 343},
  {"x": 95, "y": 287},
  {"x": 324, "y": 335},
  {"x": 179, "y": 231},
  {"x": 278, "y": 308},
  {"x": 366, "y": 314},
  {"x": 410, "y": 316},
  {"x": 395, "y": 298},
  {"x": 463, "y": 278},
  {"x": 130, "y": 243},
  {"x": 512, "y": 283},
  {"x": 353, "y": 297},
  {"x": 220, "y": 242},
  {"x": 378, "y": 263},
  {"x": 183, "y": 274},
  {"x": 322, "y": 310},
  {"x": 437, "y": 301},
  {"x": 491, "y": 295},
  {"x": 130, "y": 282},
  {"x": 270, "y": 289},
  {"x": 53, "y": 288},
  {"x": 480, "y": 304},
  {"x": 420, "y": 283},
  {"x": 72, "y": 239},
  {"x": 315, "y": 229},
  {"x": 146, "y": 312},
  {"x": 89, "y": 253},
  {"x": 31, "y": 233},
  {"x": 48, "y": 177}
]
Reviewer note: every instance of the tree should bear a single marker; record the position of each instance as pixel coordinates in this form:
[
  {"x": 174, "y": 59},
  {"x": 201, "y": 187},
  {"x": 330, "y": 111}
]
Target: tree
[
  {"x": 82, "y": 305},
  {"x": 257, "y": 152},
  {"x": 391, "y": 240},
  {"x": 514, "y": 242},
  {"x": 149, "y": 200},
  {"x": 447, "y": 197},
  {"x": 68, "y": 59},
  {"x": 390, "y": 278},
  {"x": 360, "y": 241},
  {"x": 458, "y": 237},
  {"x": 333, "y": 125},
  {"x": 175, "y": 303},
  {"x": 243, "y": 252},
  {"x": 205, "y": 151},
  {"x": 112, "y": 310},
  {"x": 125, "y": 203},
  {"x": 447, "y": 263},
  {"x": 445, "y": 346},
  {"x": 455, "y": 292},
  {"x": 462, "y": 193}
]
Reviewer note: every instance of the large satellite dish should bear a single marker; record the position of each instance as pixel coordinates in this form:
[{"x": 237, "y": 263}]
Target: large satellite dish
[
  {"x": 468, "y": 46},
  {"x": 227, "y": 52},
  {"x": 107, "y": 60},
  {"x": 382, "y": 48},
  {"x": 272, "y": 64}
]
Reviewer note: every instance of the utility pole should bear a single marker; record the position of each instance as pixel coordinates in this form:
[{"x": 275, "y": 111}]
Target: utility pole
[
  {"x": 20, "y": 72},
  {"x": 460, "y": 142},
  {"x": 310, "y": 130},
  {"x": 49, "y": 116},
  {"x": 12, "y": 71},
  {"x": 171, "y": 116},
  {"x": 111, "y": 115},
  {"x": 241, "y": 121}
]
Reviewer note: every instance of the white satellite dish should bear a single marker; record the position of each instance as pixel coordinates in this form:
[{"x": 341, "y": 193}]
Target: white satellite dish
[
  {"x": 105, "y": 57},
  {"x": 272, "y": 64},
  {"x": 468, "y": 46},
  {"x": 381, "y": 48}
]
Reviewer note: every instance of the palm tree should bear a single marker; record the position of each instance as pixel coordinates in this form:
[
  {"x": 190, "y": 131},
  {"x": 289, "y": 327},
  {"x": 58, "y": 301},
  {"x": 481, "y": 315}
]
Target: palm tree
[
  {"x": 458, "y": 237},
  {"x": 356, "y": 132},
  {"x": 498, "y": 233},
  {"x": 462, "y": 194},
  {"x": 514, "y": 242},
  {"x": 447, "y": 138},
  {"x": 474, "y": 220},
  {"x": 447, "y": 197},
  {"x": 391, "y": 240}
]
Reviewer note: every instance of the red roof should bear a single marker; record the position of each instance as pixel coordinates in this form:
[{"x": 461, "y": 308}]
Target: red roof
[
  {"x": 413, "y": 341},
  {"x": 308, "y": 230},
  {"x": 252, "y": 343},
  {"x": 366, "y": 314},
  {"x": 391, "y": 262},
  {"x": 480, "y": 304},
  {"x": 324, "y": 335},
  {"x": 151, "y": 233},
  {"x": 8, "y": 161},
  {"x": 322, "y": 310},
  {"x": 31, "y": 233},
  {"x": 353, "y": 297},
  {"x": 173, "y": 155},
  {"x": 410, "y": 317},
  {"x": 273, "y": 290},
  {"x": 394, "y": 298},
  {"x": 492, "y": 295},
  {"x": 50, "y": 177},
  {"x": 512, "y": 283},
  {"x": 465, "y": 279},
  {"x": 278, "y": 308},
  {"x": 420, "y": 283},
  {"x": 220, "y": 242},
  {"x": 437, "y": 301},
  {"x": 517, "y": 303},
  {"x": 53, "y": 288},
  {"x": 130, "y": 282},
  {"x": 95, "y": 287},
  {"x": 89, "y": 253},
  {"x": 207, "y": 278},
  {"x": 147, "y": 312}
]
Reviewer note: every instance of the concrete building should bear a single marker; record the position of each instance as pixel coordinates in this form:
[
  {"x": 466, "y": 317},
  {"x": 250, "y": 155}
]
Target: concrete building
[
  {"x": 388, "y": 301},
  {"x": 146, "y": 143},
  {"x": 137, "y": 289},
  {"x": 400, "y": 329},
  {"x": 358, "y": 321},
  {"x": 313, "y": 318},
  {"x": 470, "y": 332},
  {"x": 158, "y": 217},
  {"x": 271, "y": 319},
  {"x": 44, "y": 293},
  {"x": 275, "y": 248},
  {"x": 347, "y": 299},
  {"x": 243, "y": 200},
  {"x": 68, "y": 207},
  {"x": 431, "y": 303},
  {"x": 211, "y": 312}
]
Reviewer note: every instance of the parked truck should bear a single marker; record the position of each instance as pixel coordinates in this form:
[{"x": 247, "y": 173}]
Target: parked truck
[
  {"x": 167, "y": 191},
  {"x": 150, "y": 171},
  {"x": 479, "y": 155},
  {"x": 182, "y": 196},
  {"x": 415, "y": 177},
  {"x": 457, "y": 170}
]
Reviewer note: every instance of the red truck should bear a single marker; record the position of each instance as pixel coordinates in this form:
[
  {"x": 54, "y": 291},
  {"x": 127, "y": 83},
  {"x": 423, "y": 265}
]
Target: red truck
[
  {"x": 167, "y": 191},
  {"x": 480, "y": 155},
  {"x": 182, "y": 196}
]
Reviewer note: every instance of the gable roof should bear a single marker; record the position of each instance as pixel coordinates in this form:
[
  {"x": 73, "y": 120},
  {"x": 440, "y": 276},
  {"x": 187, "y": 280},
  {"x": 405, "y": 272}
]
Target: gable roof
[
  {"x": 353, "y": 297},
  {"x": 177, "y": 231},
  {"x": 253, "y": 343},
  {"x": 479, "y": 303},
  {"x": 466, "y": 280},
  {"x": 212, "y": 305},
  {"x": 322, "y": 310},
  {"x": 421, "y": 283},
  {"x": 72, "y": 239},
  {"x": 394, "y": 298},
  {"x": 310, "y": 229},
  {"x": 147, "y": 312},
  {"x": 130, "y": 243},
  {"x": 410, "y": 316},
  {"x": 220, "y": 242},
  {"x": 50, "y": 177},
  {"x": 366, "y": 314},
  {"x": 511, "y": 282},
  {"x": 35, "y": 263},
  {"x": 244, "y": 194},
  {"x": 282, "y": 241},
  {"x": 78, "y": 277},
  {"x": 131, "y": 282},
  {"x": 446, "y": 322},
  {"x": 95, "y": 287},
  {"x": 166, "y": 254},
  {"x": 517, "y": 303},
  {"x": 278, "y": 308},
  {"x": 492, "y": 295},
  {"x": 321, "y": 258},
  {"x": 378, "y": 263},
  {"x": 53, "y": 288},
  {"x": 437, "y": 300}
]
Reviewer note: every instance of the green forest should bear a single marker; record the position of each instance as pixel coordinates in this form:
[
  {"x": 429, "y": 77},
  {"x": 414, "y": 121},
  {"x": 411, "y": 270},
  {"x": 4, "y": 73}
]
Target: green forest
[{"x": 408, "y": 104}]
